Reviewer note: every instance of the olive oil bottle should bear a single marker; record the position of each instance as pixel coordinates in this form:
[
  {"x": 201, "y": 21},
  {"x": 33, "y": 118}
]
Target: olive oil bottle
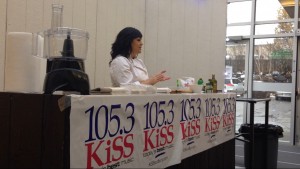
[{"x": 214, "y": 83}]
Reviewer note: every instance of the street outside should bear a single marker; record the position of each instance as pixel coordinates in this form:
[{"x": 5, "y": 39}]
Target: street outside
[{"x": 279, "y": 114}]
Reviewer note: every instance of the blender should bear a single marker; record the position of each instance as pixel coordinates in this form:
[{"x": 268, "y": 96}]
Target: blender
[{"x": 65, "y": 49}]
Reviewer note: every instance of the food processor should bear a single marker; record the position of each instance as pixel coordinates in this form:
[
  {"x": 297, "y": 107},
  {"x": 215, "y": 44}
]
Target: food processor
[{"x": 65, "y": 49}]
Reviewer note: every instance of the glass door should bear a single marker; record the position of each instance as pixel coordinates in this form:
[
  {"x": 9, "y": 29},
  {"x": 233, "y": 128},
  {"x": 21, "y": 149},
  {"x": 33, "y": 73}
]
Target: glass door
[
  {"x": 272, "y": 78},
  {"x": 236, "y": 74}
]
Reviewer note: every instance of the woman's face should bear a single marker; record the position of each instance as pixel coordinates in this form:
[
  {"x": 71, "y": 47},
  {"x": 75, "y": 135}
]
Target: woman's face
[{"x": 136, "y": 46}]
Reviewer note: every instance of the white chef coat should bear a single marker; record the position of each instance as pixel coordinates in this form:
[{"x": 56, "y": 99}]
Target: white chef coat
[{"x": 125, "y": 71}]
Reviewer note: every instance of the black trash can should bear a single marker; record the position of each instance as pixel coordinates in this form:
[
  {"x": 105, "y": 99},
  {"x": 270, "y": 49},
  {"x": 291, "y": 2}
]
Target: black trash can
[{"x": 265, "y": 153}]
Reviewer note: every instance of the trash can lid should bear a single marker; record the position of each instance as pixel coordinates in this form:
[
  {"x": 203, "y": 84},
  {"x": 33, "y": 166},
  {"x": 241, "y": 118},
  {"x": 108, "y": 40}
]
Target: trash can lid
[{"x": 260, "y": 128}]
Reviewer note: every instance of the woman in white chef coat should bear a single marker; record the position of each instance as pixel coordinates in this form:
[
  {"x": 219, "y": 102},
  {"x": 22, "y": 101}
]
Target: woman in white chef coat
[{"x": 124, "y": 66}]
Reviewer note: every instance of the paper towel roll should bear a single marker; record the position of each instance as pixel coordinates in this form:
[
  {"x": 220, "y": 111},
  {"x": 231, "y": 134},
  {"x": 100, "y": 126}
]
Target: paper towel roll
[{"x": 23, "y": 72}]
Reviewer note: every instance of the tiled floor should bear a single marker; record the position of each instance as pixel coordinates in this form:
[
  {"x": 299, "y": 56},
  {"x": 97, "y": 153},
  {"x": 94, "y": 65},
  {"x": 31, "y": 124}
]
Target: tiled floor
[{"x": 288, "y": 156}]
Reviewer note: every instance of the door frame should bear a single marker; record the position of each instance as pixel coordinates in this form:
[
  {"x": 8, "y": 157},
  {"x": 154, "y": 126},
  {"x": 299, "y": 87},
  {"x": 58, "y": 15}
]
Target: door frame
[{"x": 296, "y": 95}]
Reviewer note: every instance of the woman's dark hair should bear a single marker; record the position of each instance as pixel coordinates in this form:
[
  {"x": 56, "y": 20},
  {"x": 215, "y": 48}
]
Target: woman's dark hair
[{"x": 122, "y": 44}]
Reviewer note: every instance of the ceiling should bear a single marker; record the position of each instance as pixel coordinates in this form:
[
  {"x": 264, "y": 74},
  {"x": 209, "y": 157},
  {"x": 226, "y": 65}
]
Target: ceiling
[{"x": 288, "y": 5}]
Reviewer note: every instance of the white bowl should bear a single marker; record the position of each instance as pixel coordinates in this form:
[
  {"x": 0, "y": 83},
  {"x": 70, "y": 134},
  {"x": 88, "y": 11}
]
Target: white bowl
[{"x": 196, "y": 88}]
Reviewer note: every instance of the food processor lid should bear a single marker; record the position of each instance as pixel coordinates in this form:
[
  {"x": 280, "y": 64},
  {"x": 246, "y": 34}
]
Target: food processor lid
[
  {"x": 51, "y": 44},
  {"x": 64, "y": 31}
]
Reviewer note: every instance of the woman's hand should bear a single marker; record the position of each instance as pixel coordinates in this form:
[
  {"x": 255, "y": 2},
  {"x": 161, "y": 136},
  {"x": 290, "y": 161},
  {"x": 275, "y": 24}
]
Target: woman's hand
[{"x": 156, "y": 78}]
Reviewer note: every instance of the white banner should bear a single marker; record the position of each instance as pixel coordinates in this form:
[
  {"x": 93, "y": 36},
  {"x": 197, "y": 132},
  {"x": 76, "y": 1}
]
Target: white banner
[{"x": 147, "y": 131}]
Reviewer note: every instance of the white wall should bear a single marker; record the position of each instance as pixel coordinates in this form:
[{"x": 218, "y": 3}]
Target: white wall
[
  {"x": 2, "y": 41},
  {"x": 184, "y": 37}
]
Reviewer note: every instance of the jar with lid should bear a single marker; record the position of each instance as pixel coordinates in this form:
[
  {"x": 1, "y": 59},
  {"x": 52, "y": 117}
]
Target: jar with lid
[{"x": 208, "y": 88}]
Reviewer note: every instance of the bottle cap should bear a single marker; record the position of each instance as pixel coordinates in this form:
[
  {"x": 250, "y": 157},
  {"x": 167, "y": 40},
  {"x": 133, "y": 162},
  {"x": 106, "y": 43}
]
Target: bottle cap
[{"x": 200, "y": 81}]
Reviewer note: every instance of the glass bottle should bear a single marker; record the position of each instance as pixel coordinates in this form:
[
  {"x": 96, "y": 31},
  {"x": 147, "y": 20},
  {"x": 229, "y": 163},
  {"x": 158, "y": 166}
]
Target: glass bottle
[{"x": 214, "y": 84}]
